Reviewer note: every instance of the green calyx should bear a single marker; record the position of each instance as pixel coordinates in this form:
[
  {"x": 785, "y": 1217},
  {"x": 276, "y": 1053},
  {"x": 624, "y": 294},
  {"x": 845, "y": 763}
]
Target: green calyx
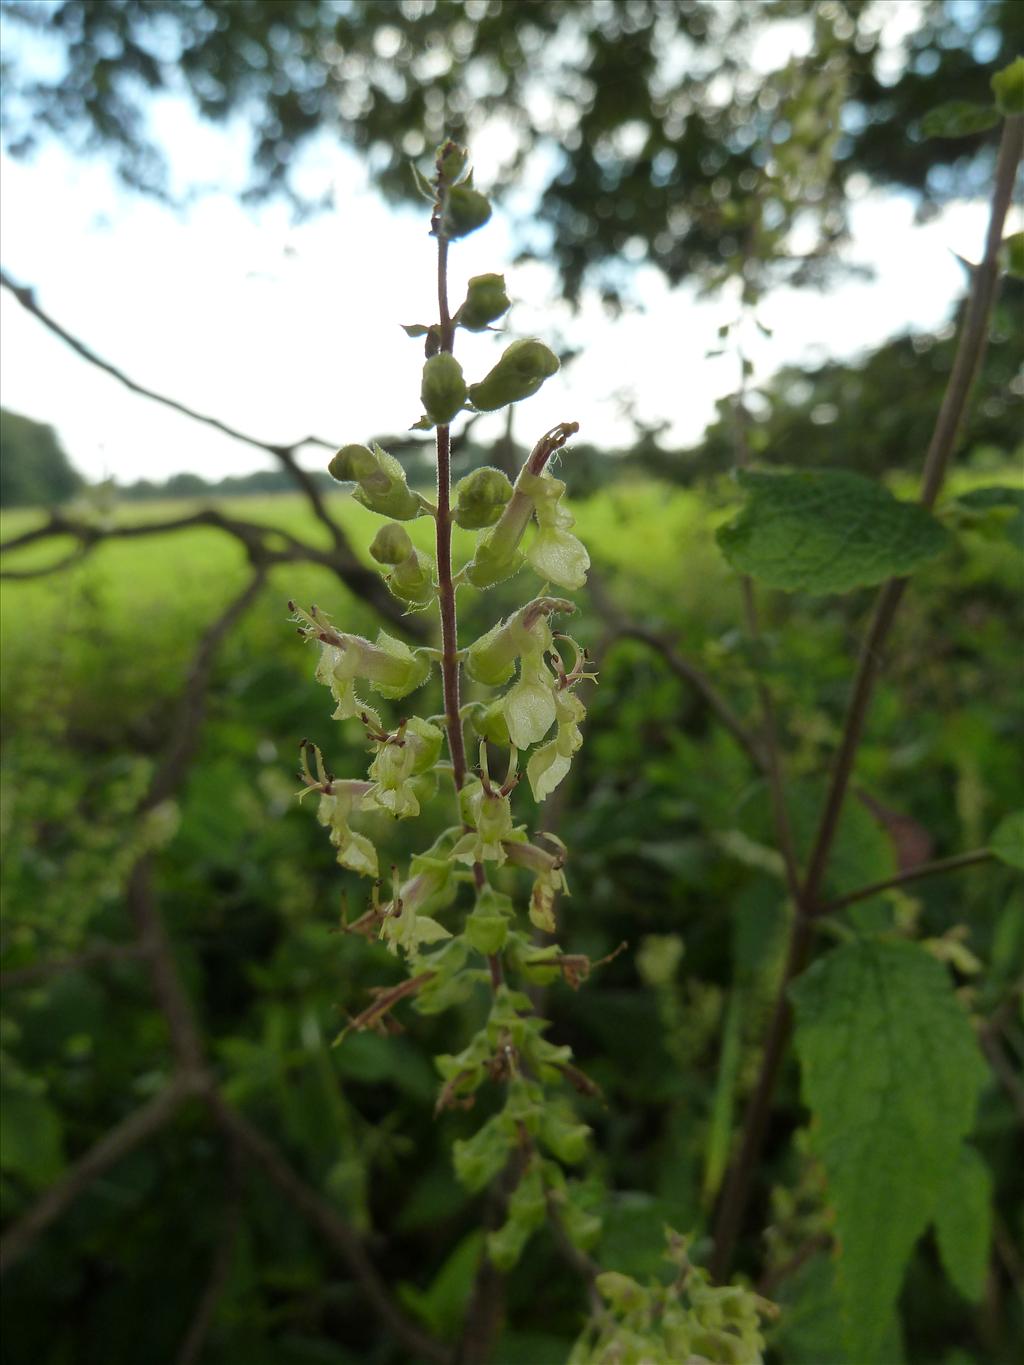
[
  {"x": 381, "y": 481},
  {"x": 443, "y": 389},
  {"x": 480, "y": 498},
  {"x": 411, "y": 579},
  {"x": 519, "y": 373},
  {"x": 463, "y": 211},
  {"x": 486, "y": 300}
]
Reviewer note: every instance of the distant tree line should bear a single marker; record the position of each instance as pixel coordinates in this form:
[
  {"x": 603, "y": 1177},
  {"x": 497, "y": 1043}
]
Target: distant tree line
[{"x": 34, "y": 470}]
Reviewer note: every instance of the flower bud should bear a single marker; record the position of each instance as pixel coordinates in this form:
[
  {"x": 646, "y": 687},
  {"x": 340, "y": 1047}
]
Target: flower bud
[
  {"x": 391, "y": 544},
  {"x": 486, "y": 300},
  {"x": 381, "y": 479},
  {"x": 443, "y": 390},
  {"x": 480, "y": 498},
  {"x": 450, "y": 161},
  {"x": 519, "y": 373},
  {"x": 464, "y": 211}
]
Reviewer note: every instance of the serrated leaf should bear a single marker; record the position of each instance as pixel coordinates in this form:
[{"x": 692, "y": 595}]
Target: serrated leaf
[
  {"x": 823, "y": 531},
  {"x": 959, "y": 118},
  {"x": 891, "y": 1071},
  {"x": 963, "y": 1224},
  {"x": 1007, "y": 841}
]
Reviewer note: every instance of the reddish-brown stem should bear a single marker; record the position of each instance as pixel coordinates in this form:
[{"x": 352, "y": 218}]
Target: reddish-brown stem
[{"x": 971, "y": 349}]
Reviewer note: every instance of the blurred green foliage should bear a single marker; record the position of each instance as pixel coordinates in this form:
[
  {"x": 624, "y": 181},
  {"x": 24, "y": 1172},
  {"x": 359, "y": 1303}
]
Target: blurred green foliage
[
  {"x": 34, "y": 468},
  {"x": 670, "y": 832}
]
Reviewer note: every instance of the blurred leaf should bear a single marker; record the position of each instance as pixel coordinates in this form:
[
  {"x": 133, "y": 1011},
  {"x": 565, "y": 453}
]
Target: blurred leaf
[
  {"x": 825, "y": 531},
  {"x": 441, "y": 1307},
  {"x": 959, "y": 118},
  {"x": 31, "y": 1137},
  {"x": 1007, "y": 841}
]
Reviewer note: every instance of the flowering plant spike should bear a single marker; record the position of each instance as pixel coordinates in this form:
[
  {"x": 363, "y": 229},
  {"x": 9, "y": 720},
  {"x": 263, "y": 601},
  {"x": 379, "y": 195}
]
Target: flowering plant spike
[
  {"x": 464, "y": 916},
  {"x": 461, "y": 917}
]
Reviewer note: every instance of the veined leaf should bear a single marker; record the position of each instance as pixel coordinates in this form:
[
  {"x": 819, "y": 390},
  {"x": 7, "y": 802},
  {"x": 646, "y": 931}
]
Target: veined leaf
[
  {"x": 891, "y": 1072},
  {"x": 963, "y": 1224},
  {"x": 824, "y": 531}
]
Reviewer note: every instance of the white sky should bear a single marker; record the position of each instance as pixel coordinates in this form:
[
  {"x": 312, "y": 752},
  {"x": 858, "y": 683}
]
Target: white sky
[{"x": 283, "y": 330}]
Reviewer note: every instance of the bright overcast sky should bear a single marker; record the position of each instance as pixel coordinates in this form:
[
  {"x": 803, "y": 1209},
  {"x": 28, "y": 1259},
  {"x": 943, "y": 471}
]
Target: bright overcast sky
[{"x": 283, "y": 330}]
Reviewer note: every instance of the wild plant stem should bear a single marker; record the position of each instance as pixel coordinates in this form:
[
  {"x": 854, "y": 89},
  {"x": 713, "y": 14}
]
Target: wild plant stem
[
  {"x": 969, "y": 356},
  {"x": 443, "y": 521}
]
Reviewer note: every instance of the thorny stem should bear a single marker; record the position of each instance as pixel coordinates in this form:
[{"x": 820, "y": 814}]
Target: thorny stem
[{"x": 970, "y": 353}]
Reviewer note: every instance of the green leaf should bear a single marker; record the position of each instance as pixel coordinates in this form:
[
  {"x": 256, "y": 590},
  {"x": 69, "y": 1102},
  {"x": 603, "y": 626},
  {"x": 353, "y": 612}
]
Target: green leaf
[
  {"x": 824, "y": 531},
  {"x": 31, "y": 1137},
  {"x": 963, "y": 1224},
  {"x": 891, "y": 1071},
  {"x": 1013, "y": 255},
  {"x": 959, "y": 118},
  {"x": 442, "y": 1306},
  {"x": 996, "y": 503},
  {"x": 1007, "y": 841},
  {"x": 1008, "y": 88}
]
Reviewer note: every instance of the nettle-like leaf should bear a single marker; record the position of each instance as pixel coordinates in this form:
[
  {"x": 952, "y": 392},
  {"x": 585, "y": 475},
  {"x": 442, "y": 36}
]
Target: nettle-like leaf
[
  {"x": 1007, "y": 841},
  {"x": 891, "y": 1072},
  {"x": 823, "y": 531},
  {"x": 963, "y": 1224}
]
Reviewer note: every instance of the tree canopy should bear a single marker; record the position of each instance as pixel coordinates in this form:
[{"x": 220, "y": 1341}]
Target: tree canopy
[
  {"x": 34, "y": 469},
  {"x": 680, "y": 132}
]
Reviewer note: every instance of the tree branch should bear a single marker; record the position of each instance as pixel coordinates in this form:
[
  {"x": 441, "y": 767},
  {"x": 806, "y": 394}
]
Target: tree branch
[
  {"x": 621, "y": 628},
  {"x": 220, "y": 1268},
  {"x": 58, "y": 966},
  {"x": 343, "y": 561},
  {"x": 123, "y": 1138},
  {"x": 970, "y": 353},
  {"x": 912, "y": 874}
]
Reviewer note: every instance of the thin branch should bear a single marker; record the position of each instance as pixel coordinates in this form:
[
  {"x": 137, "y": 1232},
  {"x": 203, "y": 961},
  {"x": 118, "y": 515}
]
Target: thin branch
[
  {"x": 771, "y": 1279},
  {"x": 701, "y": 684},
  {"x": 584, "y": 1266},
  {"x": 971, "y": 349},
  {"x": 912, "y": 874},
  {"x": 331, "y": 1225},
  {"x": 123, "y": 1138},
  {"x": 58, "y": 966}
]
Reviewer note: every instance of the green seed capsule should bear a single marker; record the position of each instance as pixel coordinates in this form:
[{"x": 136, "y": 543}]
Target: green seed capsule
[
  {"x": 443, "y": 390},
  {"x": 480, "y": 498},
  {"x": 519, "y": 373},
  {"x": 486, "y": 300},
  {"x": 464, "y": 211}
]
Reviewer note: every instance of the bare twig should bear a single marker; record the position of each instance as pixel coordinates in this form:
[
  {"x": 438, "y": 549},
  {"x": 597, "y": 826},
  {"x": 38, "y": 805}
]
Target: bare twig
[
  {"x": 123, "y": 1138},
  {"x": 771, "y": 1279},
  {"x": 912, "y": 874},
  {"x": 58, "y": 966},
  {"x": 971, "y": 349}
]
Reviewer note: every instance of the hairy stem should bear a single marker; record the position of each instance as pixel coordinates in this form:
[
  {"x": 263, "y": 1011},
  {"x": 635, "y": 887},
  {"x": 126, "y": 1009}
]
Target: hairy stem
[{"x": 970, "y": 353}]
